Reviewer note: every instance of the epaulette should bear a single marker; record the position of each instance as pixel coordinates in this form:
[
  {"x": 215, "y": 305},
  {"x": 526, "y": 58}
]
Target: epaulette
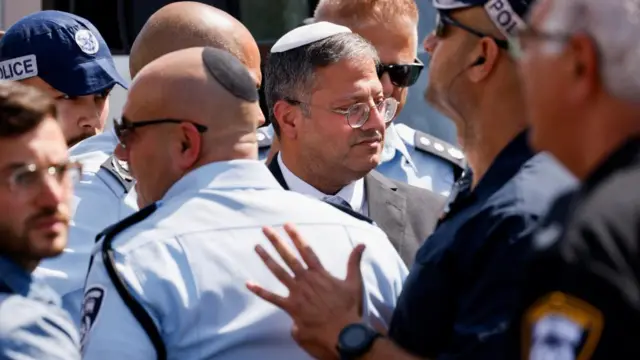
[
  {"x": 119, "y": 171},
  {"x": 440, "y": 148},
  {"x": 134, "y": 306},
  {"x": 264, "y": 138}
]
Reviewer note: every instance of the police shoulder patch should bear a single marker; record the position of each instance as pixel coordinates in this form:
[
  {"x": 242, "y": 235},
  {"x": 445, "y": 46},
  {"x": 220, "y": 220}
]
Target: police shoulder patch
[
  {"x": 560, "y": 326},
  {"x": 93, "y": 298},
  {"x": 120, "y": 171}
]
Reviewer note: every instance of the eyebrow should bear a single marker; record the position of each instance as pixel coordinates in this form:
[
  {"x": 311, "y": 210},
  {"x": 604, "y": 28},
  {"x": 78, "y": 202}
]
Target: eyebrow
[{"x": 14, "y": 166}]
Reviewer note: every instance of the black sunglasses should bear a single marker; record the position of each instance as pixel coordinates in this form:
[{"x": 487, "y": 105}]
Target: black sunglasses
[
  {"x": 443, "y": 19},
  {"x": 401, "y": 75},
  {"x": 125, "y": 126}
]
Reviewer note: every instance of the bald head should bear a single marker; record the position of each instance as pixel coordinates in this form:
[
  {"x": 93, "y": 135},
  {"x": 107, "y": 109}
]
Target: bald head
[
  {"x": 204, "y": 85},
  {"x": 187, "y": 24},
  {"x": 199, "y": 106},
  {"x": 358, "y": 13}
]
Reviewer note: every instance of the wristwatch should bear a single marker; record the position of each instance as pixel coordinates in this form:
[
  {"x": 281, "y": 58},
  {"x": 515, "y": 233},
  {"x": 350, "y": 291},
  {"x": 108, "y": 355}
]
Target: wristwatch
[{"x": 355, "y": 340}]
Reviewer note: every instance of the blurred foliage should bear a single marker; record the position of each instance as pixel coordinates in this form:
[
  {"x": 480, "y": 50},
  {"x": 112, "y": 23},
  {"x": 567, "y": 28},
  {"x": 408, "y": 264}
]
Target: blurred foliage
[{"x": 268, "y": 20}]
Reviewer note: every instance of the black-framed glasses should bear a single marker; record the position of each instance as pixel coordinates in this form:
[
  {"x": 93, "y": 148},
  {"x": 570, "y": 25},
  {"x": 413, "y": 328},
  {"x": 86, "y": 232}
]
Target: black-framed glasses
[
  {"x": 443, "y": 19},
  {"x": 358, "y": 114},
  {"x": 28, "y": 178},
  {"x": 125, "y": 127},
  {"x": 401, "y": 75},
  {"x": 523, "y": 37}
]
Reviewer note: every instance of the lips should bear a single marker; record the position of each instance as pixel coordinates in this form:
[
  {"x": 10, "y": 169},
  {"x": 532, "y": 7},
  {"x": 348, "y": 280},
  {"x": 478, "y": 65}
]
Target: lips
[{"x": 50, "y": 223}]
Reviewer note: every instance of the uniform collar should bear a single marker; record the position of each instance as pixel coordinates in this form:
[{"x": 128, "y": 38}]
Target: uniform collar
[
  {"x": 506, "y": 165},
  {"x": 352, "y": 193},
  {"x": 625, "y": 155},
  {"x": 393, "y": 144},
  {"x": 15, "y": 277},
  {"x": 234, "y": 174}
]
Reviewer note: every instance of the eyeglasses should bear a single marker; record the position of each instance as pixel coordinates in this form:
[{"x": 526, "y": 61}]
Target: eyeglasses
[
  {"x": 443, "y": 19},
  {"x": 29, "y": 177},
  {"x": 125, "y": 127},
  {"x": 401, "y": 75},
  {"x": 518, "y": 43},
  {"x": 358, "y": 114}
]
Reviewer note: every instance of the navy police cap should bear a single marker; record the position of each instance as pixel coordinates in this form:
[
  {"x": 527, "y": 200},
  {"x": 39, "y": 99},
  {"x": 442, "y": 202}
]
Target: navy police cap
[
  {"x": 63, "y": 49},
  {"x": 508, "y": 15}
]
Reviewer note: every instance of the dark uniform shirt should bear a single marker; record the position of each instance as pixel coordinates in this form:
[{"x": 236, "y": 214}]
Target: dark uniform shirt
[
  {"x": 460, "y": 293},
  {"x": 582, "y": 299}
]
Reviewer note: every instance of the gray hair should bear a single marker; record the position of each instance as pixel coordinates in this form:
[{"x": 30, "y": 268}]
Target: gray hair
[
  {"x": 289, "y": 75},
  {"x": 614, "y": 25}
]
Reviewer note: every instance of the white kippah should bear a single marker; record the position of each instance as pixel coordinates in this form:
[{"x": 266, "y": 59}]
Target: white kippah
[{"x": 307, "y": 34}]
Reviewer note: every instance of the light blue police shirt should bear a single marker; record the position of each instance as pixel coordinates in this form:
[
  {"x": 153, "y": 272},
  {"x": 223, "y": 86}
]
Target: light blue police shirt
[
  {"x": 33, "y": 326},
  {"x": 188, "y": 262},
  {"x": 99, "y": 200},
  {"x": 409, "y": 156}
]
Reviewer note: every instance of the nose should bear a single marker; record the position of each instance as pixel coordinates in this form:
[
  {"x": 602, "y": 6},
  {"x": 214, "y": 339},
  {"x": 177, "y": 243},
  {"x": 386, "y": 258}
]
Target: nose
[
  {"x": 387, "y": 85},
  {"x": 90, "y": 120},
  {"x": 121, "y": 152},
  {"x": 430, "y": 42},
  {"x": 52, "y": 192},
  {"x": 375, "y": 121}
]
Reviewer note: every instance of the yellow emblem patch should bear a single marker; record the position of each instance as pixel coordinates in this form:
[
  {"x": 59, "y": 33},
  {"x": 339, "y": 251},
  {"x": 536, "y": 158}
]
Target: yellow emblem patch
[{"x": 560, "y": 326}]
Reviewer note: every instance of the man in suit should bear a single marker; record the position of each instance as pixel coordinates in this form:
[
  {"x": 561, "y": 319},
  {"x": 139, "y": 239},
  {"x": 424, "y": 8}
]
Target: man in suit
[{"x": 328, "y": 109}]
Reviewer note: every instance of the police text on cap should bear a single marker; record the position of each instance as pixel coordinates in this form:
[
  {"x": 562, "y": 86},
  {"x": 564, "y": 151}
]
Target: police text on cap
[
  {"x": 20, "y": 68},
  {"x": 503, "y": 15}
]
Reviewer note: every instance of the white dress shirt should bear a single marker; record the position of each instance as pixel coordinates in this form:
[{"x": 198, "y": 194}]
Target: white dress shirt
[{"x": 353, "y": 193}]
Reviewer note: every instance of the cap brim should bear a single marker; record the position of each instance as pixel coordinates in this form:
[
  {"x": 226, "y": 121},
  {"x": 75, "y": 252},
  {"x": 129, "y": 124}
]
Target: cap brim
[
  {"x": 88, "y": 78},
  {"x": 453, "y": 4}
]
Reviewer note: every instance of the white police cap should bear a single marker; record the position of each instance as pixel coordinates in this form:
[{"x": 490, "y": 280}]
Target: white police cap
[{"x": 307, "y": 34}]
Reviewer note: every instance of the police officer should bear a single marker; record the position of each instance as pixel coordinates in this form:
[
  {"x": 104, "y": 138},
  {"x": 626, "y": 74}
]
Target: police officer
[
  {"x": 65, "y": 56},
  {"x": 460, "y": 295},
  {"x": 581, "y": 295},
  {"x": 35, "y": 194},
  {"x": 180, "y": 263},
  {"x": 409, "y": 156}
]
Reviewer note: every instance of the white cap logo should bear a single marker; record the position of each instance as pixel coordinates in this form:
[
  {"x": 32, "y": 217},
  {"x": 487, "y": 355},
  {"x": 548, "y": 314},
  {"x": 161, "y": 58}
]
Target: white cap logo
[{"x": 87, "y": 42}]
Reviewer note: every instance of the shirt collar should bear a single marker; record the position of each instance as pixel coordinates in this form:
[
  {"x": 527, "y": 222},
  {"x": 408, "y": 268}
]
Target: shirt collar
[
  {"x": 393, "y": 144},
  {"x": 15, "y": 277},
  {"x": 233, "y": 174},
  {"x": 353, "y": 193},
  {"x": 506, "y": 164},
  {"x": 624, "y": 156}
]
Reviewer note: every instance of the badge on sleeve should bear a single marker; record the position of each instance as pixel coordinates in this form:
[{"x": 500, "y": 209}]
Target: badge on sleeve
[
  {"x": 93, "y": 298},
  {"x": 561, "y": 327}
]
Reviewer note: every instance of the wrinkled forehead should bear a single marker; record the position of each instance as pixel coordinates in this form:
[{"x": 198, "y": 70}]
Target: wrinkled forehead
[{"x": 352, "y": 77}]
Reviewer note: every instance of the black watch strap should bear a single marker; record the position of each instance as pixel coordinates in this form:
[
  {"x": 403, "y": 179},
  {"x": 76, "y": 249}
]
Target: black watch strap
[{"x": 356, "y": 340}]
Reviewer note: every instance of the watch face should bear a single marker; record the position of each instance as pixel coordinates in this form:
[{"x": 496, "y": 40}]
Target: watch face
[{"x": 354, "y": 337}]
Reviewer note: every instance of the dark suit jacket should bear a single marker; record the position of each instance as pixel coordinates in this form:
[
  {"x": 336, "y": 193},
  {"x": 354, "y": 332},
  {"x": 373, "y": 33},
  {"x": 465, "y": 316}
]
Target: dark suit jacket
[{"x": 407, "y": 214}]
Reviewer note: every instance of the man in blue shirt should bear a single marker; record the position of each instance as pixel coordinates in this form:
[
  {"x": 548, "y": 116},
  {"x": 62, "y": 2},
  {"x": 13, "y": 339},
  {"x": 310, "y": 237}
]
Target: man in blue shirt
[
  {"x": 460, "y": 295},
  {"x": 168, "y": 282},
  {"x": 65, "y": 56},
  {"x": 35, "y": 192}
]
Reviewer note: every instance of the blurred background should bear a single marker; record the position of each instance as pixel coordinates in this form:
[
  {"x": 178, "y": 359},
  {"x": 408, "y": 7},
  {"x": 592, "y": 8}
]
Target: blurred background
[{"x": 119, "y": 21}]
